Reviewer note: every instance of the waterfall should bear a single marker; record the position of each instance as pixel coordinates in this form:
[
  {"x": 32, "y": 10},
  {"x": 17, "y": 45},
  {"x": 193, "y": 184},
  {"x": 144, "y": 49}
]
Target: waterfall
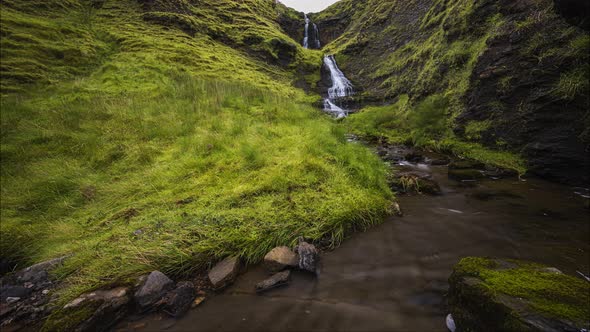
[
  {"x": 341, "y": 87},
  {"x": 316, "y": 31},
  {"x": 306, "y": 38}
]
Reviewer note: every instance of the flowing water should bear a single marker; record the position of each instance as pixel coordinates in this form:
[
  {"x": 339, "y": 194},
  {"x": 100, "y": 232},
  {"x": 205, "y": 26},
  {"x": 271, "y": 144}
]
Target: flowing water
[
  {"x": 341, "y": 87},
  {"x": 306, "y": 38},
  {"x": 394, "y": 276}
]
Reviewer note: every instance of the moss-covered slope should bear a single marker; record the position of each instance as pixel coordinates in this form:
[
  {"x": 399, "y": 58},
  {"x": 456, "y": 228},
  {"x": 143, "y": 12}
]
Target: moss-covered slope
[
  {"x": 511, "y": 75},
  {"x": 142, "y": 135}
]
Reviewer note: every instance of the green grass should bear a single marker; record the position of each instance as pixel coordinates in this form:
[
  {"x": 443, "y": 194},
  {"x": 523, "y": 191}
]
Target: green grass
[
  {"x": 147, "y": 146},
  {"x": 427, "y": 125}
]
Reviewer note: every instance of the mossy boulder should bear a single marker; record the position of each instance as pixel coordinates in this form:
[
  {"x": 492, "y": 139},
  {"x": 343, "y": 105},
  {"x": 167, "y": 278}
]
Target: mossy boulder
[{"x": 510, "y": 295}]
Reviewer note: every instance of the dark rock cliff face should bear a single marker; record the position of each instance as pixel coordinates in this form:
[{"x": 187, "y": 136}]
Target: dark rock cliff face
[
  {"x": 518, "y": 69},
  {"x": 514, "y": 89}
]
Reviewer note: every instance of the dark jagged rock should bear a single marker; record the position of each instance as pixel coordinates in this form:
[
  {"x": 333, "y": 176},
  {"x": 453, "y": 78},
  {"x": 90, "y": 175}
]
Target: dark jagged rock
[
  {"x": 511, "y": 296},
  {"x": 153, "y": 289},
  {"x": 178, "y": 301},
  {"x": 280, "y": 258},
  {"x": 277, "y": 280},
  {"x": 25, "y": 294},
  {"x": 224, "y": 273},
  {"x": 465, "y": 174},
  {"x": 308, "y": 256},
  {"x": 95, "y": 311}
]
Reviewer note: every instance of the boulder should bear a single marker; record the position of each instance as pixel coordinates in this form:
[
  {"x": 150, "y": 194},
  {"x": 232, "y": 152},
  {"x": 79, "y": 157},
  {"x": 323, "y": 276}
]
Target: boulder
[
  {"x": 177, "y": 302},
  {"x": 510, "y": 295},
  {"x": 155, "y": 286},
  {"x": 95, "y": 311},
  {"x": 277, "y": 280},
  {"x": 280, "y": 258},
  {"x": 308, "y": 256},
  {"x": 224, "y": 273}
]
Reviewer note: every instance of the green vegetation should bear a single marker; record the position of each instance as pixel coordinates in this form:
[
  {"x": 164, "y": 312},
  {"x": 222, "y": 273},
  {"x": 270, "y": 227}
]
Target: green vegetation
[
  {"x": 558, "y": 295},
  {"x": 427, "y": 125},
  {"x": 136, "y": 139}
]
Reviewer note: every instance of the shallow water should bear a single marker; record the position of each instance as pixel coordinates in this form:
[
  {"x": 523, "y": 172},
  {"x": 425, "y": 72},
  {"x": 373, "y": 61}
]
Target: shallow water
[{"x": 394, "y": 276}]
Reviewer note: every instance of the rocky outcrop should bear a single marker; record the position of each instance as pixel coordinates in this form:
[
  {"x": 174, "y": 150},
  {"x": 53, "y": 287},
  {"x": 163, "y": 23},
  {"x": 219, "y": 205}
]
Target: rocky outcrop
[
  {"x": 95, "y": 311},
  {"x": 224, "y": 273},
  {"x": 280, "y": 258},
  {"x": 153, "y": 288},
  {"x": 509, "y": 295},
  {"x": 25, "y": 295},
  {"x": 414, "y": 181}
]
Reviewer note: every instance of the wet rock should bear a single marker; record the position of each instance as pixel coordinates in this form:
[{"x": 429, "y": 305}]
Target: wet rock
[
  {"x": 280, "y": 258},
  {"x": 224, "y": 273},
  {"x": 14, "y": 291},
  {"x": 465, "y": 164},
  {"x": 414, "y": 157},
  {"x": 465, "y": 174},
  {"x": 502, "y": 295},
  {"x": 95, "y": 311},
  {"x": 277, "y": 280},
  {"x": 439, "y": 161},
  {"x": 12, "y": 299},
  {"x": 155, "y": 286},
  {"x": 177, "y": 302},
  {"x": 39, "y": 272},
  {"x": 396, "y": 209},
  {"x": 419, "y": 182},
  {"x": 308, "y": 256}
]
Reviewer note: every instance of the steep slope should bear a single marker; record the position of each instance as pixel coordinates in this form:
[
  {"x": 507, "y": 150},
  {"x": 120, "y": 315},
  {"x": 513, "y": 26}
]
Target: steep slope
[
  {"x": 141, "y": 135},
  {"x": 511, "y": 75}
]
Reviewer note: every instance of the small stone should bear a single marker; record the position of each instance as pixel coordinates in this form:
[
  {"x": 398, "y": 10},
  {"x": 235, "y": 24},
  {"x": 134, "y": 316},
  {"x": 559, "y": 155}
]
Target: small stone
[
  {"x": 308, "y": 256},
  {"x": 29, "y": 285},
  {"x": 156, "y": 285},
  {"x": 277, "y": 280},
  {"x": 138, "y": 232},
  {"x": 177, "y": 302},
  {"x": 224, "y": 273},
  {"x": 12, "y": 299},
  {"x": 45, "y": 291},
  {"x": 280, "y": 258},
  {"x": 198, "y": 301}
]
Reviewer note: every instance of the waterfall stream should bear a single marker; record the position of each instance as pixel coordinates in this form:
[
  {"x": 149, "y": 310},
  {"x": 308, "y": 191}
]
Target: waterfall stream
[{"x": 341, "y": 87}]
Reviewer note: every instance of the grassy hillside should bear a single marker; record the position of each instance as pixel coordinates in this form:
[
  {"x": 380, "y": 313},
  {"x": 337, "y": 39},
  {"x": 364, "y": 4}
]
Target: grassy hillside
[
  {"x": 165, "y": 135},
  {"x": 489, "y": 75}
]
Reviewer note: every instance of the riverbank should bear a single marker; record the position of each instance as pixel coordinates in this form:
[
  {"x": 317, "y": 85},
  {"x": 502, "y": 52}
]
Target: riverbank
[{"x": 394, "y": 275}]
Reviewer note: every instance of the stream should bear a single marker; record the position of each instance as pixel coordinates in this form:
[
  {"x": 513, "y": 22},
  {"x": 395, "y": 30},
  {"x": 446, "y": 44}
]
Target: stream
[{"x": 394, "y": 276}]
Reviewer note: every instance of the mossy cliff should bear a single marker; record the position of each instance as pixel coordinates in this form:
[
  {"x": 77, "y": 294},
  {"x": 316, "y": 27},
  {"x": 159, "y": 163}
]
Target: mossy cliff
[
  {"x": 511, "y": 295},
  {"x": 510, "y": 76}
]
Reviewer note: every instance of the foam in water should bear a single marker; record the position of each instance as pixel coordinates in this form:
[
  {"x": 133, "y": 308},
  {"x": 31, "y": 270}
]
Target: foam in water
[
  {"x": 330, "y": 107},
  {"x": 306, "y": 38}
]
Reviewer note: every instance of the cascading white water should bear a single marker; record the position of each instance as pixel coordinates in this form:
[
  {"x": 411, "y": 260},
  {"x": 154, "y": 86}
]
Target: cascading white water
[
  {"x": 341, "y": 87},
  {"x": 306, "y": 38},
  {"x": 316, "y": 31}
]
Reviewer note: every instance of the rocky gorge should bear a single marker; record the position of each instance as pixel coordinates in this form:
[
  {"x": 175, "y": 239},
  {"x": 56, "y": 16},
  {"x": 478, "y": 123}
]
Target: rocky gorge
[{"x": 184, "y": 199}]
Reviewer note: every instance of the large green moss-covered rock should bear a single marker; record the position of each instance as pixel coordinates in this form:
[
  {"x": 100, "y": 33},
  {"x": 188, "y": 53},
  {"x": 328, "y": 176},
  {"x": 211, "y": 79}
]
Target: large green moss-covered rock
[{"x": 510, "y": 295}]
